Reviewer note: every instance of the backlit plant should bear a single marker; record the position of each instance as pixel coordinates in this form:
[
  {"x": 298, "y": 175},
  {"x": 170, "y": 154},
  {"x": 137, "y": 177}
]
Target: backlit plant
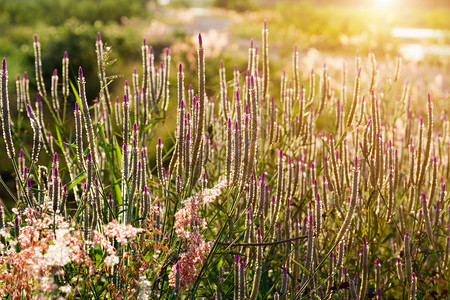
[{"x": 259, "y": 198}]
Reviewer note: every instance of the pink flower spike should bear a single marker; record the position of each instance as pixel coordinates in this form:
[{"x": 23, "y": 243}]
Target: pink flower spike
[{"x": 200, "y": 40}]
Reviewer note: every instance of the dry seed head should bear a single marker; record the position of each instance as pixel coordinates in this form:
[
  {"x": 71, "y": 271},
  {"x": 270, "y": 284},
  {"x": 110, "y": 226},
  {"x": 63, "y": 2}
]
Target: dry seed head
[
  {"x": 37, "y": 138},
  {"x": 6, "y": 118},
  {"x": 408, "y": 261},
  {"x": 38, "y": 67}
]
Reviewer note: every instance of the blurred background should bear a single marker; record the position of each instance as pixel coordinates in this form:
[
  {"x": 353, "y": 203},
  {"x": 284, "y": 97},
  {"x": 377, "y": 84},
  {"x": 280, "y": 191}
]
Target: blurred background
[{"x": 330, "y": 31}]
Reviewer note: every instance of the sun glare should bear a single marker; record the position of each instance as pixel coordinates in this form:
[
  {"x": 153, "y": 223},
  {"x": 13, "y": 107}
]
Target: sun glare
[{"x": 383, "y": 3}]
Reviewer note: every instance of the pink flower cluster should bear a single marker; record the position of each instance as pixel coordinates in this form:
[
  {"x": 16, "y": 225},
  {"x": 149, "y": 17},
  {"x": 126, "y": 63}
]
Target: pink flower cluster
[
  {"x": 188, "y": 215},
  {"x": 196, "y": 248},
  {"x": 120, "y": 231},
  {"x": 194, "y": 256},
  {"x": 47, "y": 243}
]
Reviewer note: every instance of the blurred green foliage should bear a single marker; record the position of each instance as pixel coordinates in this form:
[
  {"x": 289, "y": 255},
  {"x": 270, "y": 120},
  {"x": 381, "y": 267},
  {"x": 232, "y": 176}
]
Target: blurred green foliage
[
  {"x": 240, "y": 6},
  {"x": 66, "y": 25},
  {"x": 56, "y": 12}
]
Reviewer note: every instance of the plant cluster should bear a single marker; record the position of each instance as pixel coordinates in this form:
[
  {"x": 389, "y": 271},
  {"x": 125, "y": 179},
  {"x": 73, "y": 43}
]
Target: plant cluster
[{"x": 257, "y": 199}]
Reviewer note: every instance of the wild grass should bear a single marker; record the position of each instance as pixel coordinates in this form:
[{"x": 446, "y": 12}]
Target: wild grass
[{"x": 328, "y": 190}]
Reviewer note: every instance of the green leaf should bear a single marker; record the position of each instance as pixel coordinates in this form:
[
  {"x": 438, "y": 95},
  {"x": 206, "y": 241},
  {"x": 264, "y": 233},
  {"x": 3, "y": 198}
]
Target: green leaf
[
  {"x": 58, "y": 135},
  {"x": 300, "y": 265},
  {"x": 391, "y": 235},
  {"x": 77, "y": 180},
  {"x": 77, "y": 97},
  {"x": 154, "y": 122}
]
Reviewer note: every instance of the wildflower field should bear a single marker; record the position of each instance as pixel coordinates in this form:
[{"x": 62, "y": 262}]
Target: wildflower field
[{"x": 322, "y": 183}]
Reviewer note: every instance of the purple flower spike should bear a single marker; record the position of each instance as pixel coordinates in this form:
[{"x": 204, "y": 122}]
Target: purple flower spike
[
  {"x": 89, "y": 157},
  {"x": 18, "y": 77},
  {"x": 36, "y": 38},
  {"x": 125, "y": 99},
  {"x": 77, "y": 107},
  {"x": 99, "y": 37},
  {"x": 80, "y": 72},
  {"x": 200, "y": 40},
  {"x": 159, "y": 142},
  {"x": 66, "y": 55},
  {"x": 180, "y": 68},
  {"x": 4, "y": 64},
  {"x": 30, "y": 113},
  {"x": 55, "y": 157},
  {"x": 258, "y": 231},
  {"x": 55, "y": 72}
]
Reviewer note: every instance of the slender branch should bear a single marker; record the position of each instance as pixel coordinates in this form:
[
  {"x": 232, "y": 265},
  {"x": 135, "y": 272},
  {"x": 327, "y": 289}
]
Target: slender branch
[{"x": 263, "y": 244}]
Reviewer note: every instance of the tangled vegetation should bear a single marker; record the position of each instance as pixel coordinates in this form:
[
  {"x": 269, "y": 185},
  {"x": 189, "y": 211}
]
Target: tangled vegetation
[{"x": 327, "y": 190}]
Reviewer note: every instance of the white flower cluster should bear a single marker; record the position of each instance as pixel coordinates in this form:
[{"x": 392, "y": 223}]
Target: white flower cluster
[{"x": 58, "y": 254}]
